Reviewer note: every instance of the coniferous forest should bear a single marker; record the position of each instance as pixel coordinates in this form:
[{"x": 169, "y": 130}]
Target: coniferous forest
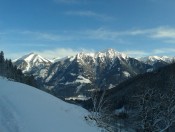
[{"x": 8, "y": 70}]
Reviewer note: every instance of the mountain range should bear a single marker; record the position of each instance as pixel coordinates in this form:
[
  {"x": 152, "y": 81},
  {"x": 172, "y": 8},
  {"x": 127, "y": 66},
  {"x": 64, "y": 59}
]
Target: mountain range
[{"x": 75, "y": 77}]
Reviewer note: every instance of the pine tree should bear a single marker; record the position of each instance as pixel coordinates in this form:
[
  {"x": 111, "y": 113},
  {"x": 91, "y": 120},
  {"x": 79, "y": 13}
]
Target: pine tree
[
  {"x": 2, "y": 65},
  {"x": 2, "y": 57}
]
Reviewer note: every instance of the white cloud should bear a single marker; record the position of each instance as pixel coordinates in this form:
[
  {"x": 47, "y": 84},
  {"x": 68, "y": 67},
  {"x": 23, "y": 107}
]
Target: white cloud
[
  {"x": 136, "y": 53},
  {"x": 29, "y": 45},
  {"x": 138, "y": 32},
  {"x": 170, "y": 41},
  {"x": 168, "y": 33},
  {"x": 57, "y": 53},
  {"x": 89, "y": 14},
  {"x": 164, "y": 51},
  {"x": 49, "y": 54},
  {"x": 102, "y": 34},
  {"x": 48, "y": 36},
  {"x": 63, "y": 52},
  {"x": 37, "y": 35},
  {"x": 141, "y": 53},
  {"x": 165, "y": 34},
  {"x": 105, "y": 34},
  {"x": 156, "y": 33},
  {"x": 13, "y": 55}
]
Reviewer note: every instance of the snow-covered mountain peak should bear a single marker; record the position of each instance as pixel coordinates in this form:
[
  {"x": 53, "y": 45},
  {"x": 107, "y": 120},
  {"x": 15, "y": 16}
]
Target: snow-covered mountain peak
[
  {"x": 86, "y": 54},
  {"x": 154, "y": 59},
  {"x": 27, "y": 62},
  {"x": 167, "y": 59},
  {"x": 33, "y": 57},
  {"x": 83, "y": 55},
  {"x": 111, "y": 53},
  {"x": 107, "y": 54}
]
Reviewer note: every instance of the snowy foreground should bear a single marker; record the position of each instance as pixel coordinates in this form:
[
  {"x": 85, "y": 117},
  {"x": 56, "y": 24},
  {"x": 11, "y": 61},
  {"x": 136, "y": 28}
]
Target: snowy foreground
[{"x": 27, "y": 109}]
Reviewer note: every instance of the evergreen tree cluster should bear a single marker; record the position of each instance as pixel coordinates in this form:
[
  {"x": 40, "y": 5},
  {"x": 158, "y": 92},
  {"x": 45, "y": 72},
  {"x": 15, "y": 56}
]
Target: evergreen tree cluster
[{"x": 8, "y": 70}]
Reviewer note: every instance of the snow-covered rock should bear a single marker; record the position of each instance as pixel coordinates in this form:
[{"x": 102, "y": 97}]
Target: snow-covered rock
[
  {"x": 126, "y": 74},
  {"x": 79, "y": 97},
  {"x": 27, "y": 109},
  {"x": 154, "y": 59},
  {"x": 81, "y": 79},
  {"x": 111, "y": 53},
  {"x": 33, "y": 64},
  {"x": 30, "y": 61},
  {"x": 62, "y": 59},
  {"x": 111, "y": 86}
]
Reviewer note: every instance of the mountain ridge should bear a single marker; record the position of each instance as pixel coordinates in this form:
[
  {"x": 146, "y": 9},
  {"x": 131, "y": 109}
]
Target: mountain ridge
[{"x": 79, "y": 74}]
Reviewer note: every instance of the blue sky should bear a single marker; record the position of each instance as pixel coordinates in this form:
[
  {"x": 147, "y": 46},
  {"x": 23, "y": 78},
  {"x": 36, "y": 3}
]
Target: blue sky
[{"x": 56, "y": 28}]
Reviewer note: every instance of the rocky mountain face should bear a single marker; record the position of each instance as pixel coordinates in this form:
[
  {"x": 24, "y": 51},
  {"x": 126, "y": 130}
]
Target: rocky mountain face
[
  {"x": 85, "y": 72},
  {"x": 78, "y": 75},
  {"x": 157, "y": 61},
  {"x": 34, "y": 64}
]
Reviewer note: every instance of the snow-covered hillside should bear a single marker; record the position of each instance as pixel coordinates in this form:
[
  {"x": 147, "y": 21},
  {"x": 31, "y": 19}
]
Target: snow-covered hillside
[{"x": 26, "y": 109}]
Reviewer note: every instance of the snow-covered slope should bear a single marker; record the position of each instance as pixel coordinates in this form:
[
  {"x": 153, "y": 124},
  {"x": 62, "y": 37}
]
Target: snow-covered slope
[{"x": 26, "y": 109}]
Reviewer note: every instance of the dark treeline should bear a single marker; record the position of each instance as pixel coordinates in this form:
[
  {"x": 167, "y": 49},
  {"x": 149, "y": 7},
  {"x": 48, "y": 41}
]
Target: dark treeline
[{"x": 8, "y": 70}]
